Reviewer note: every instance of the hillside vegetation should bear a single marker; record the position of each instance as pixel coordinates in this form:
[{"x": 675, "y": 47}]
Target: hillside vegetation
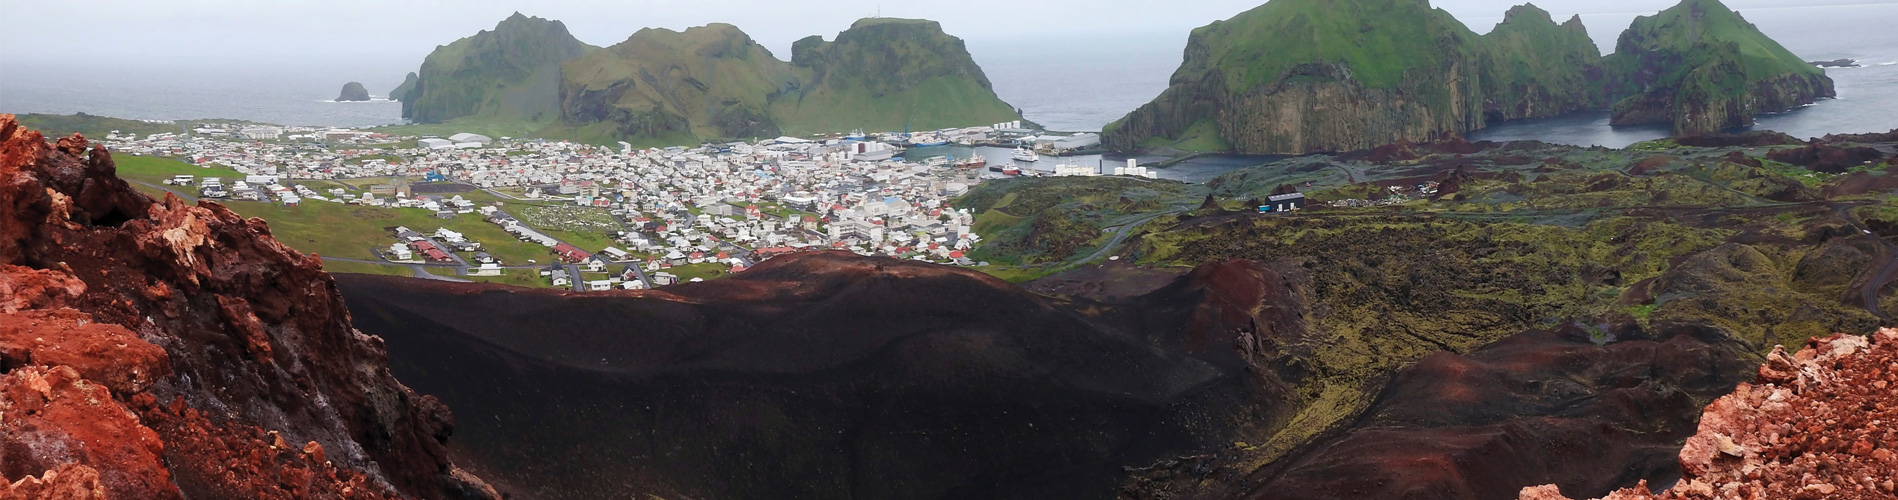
[
  {"x": 1301, "y": 76},
  {"x": 529, "y": 77},
  {"x": 512, "y": 72}
]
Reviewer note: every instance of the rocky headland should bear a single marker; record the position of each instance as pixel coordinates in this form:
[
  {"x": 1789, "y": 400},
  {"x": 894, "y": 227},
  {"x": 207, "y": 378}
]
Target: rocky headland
[
  {"x": 1703, "y": 68},
  {"x": 157, "y": 350},
  {"x": 1297, "y": 76}
]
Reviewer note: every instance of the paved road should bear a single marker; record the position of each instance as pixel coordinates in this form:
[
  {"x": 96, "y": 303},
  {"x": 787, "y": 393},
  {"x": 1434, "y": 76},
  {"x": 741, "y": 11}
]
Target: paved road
[
  {"x": 420, "y": 270},
  {"x": 1885, "y": 274},
  {"x": 499, "y": 194},
  {"x": 1114, "y": 243},
  {"x": 189, "y": 198}
]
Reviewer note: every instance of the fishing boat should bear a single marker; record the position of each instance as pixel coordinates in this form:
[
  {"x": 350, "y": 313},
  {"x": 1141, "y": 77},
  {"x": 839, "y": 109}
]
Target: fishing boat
[
  {"x": 856, "y": 135},
  {"x": 926, "y": 140},
  {"x": 1011, "y": 171},
  {"x": 977, "y": 162},
  {"x": 1024, "y": 154}
]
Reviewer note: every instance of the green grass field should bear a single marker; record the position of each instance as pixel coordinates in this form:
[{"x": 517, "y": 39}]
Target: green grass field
[
  {"x": 362, "y": 268},
  {"x": 709, "y": 271},
  {"x": 338, "y": 230},
  {"x": 156, "y": 170},
  {"x": 527, "y": 278}
]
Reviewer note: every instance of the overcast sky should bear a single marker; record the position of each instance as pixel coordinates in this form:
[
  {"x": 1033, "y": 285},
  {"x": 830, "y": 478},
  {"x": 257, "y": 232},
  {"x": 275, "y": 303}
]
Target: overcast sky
[{"x": 184, "y": 32}]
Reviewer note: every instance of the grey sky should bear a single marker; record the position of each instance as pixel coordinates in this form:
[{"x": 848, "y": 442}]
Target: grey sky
[{"x": 189, "y": 31}]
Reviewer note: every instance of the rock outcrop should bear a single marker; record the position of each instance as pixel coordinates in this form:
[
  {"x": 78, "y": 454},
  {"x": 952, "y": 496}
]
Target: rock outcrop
[
  {"x": 1703, "y": 68},
  {"x": 353, "y": 92},
  {"x": 151, "y": 349},
  {"x": 512, "y": 72},
  {"x": 1815, "y": 425}
]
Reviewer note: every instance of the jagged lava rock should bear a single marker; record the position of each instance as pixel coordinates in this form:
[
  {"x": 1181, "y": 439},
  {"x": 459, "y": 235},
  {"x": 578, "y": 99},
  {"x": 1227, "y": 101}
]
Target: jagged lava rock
[
  {"x": 1821, "y": 424},
  {"x": 153, "y": 349}
]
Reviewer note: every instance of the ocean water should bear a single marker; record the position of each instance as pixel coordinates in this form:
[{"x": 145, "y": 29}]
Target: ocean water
[{"x": 1071, "y": 83}]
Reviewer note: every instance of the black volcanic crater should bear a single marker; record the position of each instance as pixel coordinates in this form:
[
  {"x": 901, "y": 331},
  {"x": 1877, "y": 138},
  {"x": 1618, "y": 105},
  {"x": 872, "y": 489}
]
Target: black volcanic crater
[
  {"x": 820, "y": 375},
  {"x": 828, "y": 375}
]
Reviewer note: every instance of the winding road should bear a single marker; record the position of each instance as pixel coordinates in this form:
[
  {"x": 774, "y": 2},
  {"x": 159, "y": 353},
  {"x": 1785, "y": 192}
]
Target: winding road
[{"x": 1885, "y": 274}]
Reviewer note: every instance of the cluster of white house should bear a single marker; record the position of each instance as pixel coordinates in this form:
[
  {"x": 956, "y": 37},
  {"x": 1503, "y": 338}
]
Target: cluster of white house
[{"x": 729, "y": 203}]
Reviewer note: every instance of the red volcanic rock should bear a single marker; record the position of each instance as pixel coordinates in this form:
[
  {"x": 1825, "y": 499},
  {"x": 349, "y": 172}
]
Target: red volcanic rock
[
  {"x": 68, "y": 482},
  {"x": 104, "y": 353},
  {"x": 111, "y": 302},
  {"x": 54, "y": 418},
  {"x": 1816, "y": 425}
]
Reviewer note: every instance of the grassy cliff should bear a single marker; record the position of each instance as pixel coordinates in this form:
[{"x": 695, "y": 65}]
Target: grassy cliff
[
  {"x": 1301, "y": 76},
  {"x": 512, "y": 73},
  {"x": 1704, "y": 68},
  {"x": 1539, "y": 68},
  {"x": 706, "y": 82},
  {"x": 888, "y": 74},
  {"x": 401, "y": 92},
  {"x": 1297, "y": 76}
]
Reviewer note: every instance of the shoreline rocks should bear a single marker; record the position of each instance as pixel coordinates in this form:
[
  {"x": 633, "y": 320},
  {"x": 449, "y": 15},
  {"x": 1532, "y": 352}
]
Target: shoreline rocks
[{"x": 1836, "y": 63}]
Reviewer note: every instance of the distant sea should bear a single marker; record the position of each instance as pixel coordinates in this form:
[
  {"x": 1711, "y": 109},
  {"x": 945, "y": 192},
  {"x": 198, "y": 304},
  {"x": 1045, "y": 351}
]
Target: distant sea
[{"x": 1067, "y": 84}]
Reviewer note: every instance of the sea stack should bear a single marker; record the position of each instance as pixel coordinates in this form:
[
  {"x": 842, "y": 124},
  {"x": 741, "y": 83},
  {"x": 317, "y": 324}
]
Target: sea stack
[
  {"x": 1703, "y": 68},
  {"x": 353, "y": 92}
]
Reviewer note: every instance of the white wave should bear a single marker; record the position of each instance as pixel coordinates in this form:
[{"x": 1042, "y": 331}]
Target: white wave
[
  {"x": 370, "y": 101},
  {"x": 1888, "y": 63}
]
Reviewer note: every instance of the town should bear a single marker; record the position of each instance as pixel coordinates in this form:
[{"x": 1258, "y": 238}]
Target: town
[{"x": 647, "y": 213}]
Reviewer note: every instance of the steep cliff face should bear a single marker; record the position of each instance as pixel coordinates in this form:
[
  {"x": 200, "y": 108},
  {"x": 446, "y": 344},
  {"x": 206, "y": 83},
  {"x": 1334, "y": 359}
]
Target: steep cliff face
[
  {"x": 706, "y": 82},
  {"x": 1537, "y": 68},
  {"x": 888, "y": 74},
  {"x": 401, "y": 92},
  {"x": 512, "y": 72},
  {"x": 1703, "y": 68},
  {"x": 1297, "y": 76},
  {"x": 153, "y": 349}
]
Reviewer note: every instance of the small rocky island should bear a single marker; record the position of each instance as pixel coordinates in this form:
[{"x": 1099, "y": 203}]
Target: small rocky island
[
  {"x": 1836, "y": 63},
  {"x": 353, "y": 92}
]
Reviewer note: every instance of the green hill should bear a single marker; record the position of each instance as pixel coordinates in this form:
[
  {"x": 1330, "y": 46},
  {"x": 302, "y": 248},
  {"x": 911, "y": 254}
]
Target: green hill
[
  {"x": 706, "y": 82},
  {"x": 1538, "y": 68},
  {"x": 1704, "y": 68},
  {"x": 888, "y": 74},
  {"x": 1296, "y": 76},
  {"x": 510, "y": 73},
  {"x": 1299, "y": 76},
  {"x": 529, "y": 77}
]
